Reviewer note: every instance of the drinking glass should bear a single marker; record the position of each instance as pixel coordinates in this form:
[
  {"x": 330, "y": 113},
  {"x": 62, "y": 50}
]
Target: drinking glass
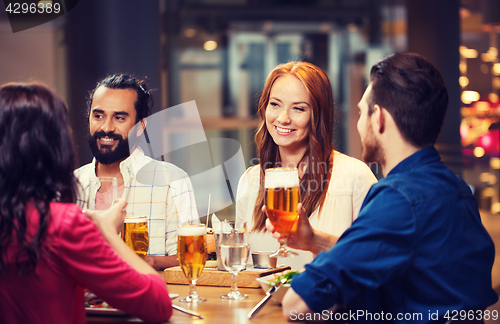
[
  {"x": 102, "y": 193},
  {"x": 192, "y": 254},
  {"x": 282, "y": 198},
  {"x": 234, "y": 251},
  {"x": 135, "y": 234}
]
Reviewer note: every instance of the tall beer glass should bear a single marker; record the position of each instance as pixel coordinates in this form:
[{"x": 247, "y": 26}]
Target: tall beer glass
[
  {"x": 282, "y": 197},
  {"x": 192, "y": 254},
  {"x": 135, "y": 234}
]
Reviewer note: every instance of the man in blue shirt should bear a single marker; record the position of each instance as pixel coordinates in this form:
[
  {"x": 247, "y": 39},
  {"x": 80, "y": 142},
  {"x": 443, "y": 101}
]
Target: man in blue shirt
[{"x": 417, "y": 251}]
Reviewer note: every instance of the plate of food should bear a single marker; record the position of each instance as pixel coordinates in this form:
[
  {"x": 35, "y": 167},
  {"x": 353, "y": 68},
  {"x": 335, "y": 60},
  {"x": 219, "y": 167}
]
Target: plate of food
[
  {"x": 272, "y": 279},
  {"x": 94, "y": 305}
]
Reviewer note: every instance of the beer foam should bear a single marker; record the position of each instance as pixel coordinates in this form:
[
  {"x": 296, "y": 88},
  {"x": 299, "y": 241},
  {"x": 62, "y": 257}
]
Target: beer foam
[
  {"x": 191, "y": 230},
  {"x": 135, "y": 219},
  {"x": 281, "y": 178}
]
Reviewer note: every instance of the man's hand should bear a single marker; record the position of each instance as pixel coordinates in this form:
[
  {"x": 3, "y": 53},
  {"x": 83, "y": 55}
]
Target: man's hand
[
  {"x": 160, "y": 263},
  {"x": 111, "y": 217},
  {"x": 303, "y": 236}
]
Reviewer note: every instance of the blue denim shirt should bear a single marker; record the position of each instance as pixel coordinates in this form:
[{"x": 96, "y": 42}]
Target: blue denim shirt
[{"x": 417, "y": 247}]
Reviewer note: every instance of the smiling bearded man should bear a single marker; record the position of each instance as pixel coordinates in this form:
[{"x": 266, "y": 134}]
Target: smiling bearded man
[{"x": 118, "y": 106}]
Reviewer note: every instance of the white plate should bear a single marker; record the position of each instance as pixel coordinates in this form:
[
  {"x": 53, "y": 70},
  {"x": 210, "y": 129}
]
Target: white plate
[
  {"x": 264, "y": 284},
  {"x": 113, "y": 311},
  {"x": 105, "y": 311}
]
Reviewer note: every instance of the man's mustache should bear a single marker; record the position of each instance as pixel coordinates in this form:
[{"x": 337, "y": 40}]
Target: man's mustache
[{"x": 110, "y": 135}]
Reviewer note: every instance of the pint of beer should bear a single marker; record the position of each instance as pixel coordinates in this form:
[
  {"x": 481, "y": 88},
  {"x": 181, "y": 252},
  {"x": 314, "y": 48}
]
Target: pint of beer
[
  {"x": 192, "y": 249},
  {"x": 135, "y": 234},
  {"x": 282, "y": 197}
]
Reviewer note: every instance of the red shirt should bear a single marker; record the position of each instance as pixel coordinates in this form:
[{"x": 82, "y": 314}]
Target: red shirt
[{"x": 75, "y": 255}]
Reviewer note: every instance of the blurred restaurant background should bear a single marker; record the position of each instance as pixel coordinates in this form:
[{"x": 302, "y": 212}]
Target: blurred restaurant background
[{"x": 219, "y": 52}]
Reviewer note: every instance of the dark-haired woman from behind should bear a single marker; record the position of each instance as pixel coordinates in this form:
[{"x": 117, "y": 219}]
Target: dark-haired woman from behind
[{"x": 49, "y": 249}]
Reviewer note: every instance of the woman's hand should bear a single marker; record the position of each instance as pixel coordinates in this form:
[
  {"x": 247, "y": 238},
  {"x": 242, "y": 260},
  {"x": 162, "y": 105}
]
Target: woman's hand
[
  {"x": 111, "y": 218},
  {"x": 303, "y": 236}
]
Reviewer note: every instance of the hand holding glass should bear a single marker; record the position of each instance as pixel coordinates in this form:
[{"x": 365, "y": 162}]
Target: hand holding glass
[
  {"x": 234, "y": 250},
  {"x": 192, "y": 254},
  {"x": 282, "y": 198}
]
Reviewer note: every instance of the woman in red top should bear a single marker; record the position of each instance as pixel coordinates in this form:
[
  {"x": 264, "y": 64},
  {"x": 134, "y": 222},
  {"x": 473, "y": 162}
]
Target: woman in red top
[{"x": 49, "y": 249}]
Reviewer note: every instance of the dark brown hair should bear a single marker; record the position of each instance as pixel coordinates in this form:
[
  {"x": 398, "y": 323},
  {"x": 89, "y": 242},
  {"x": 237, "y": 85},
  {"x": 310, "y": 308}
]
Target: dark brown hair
[
  {"x": 36, "y": 166},
  {"x": 144, "y": 102},
  {"x": 412, "y": 90}
]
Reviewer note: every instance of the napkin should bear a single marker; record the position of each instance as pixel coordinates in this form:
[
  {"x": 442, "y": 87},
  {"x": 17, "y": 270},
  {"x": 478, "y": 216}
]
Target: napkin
[{"x": 217, "y": 224}]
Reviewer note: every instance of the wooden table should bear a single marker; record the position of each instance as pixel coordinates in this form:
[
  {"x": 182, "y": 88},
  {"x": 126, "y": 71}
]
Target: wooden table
[{"x": 215, "y": 309}]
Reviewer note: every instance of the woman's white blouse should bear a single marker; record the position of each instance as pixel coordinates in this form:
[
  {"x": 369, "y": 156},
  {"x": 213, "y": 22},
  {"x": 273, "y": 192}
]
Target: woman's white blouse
[{"x": 350, "y": 182}]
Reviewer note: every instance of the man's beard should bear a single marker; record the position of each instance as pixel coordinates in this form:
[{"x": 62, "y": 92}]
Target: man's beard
[
  {"x": 372, "y": 150},
  {"x": 106, "y": 155}
]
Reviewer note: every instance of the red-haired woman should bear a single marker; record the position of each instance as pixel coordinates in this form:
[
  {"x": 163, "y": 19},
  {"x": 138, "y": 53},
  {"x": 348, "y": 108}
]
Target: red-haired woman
[{"x": 296, "y": 112}]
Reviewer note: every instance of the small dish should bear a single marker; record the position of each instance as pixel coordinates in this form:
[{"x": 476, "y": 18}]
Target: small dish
[
  {"x": 264, "y": 284},
  {"x": 262, "y": 260}
]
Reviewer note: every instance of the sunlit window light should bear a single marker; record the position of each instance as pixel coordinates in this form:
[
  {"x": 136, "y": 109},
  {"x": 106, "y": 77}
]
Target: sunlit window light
[
  {"x": 495, "y": 163},
  {"x": 468, "y": 52},
  {"x": 495, "y": 208},
  {"x": 479, "y": 152},
  {"x": 210, "y": 45},
  {"x": 464, "y": 81},
  {"x": 489, "y": 192},
  {"x": 463, "y": 67},
  {"x": 482, "y": 106},
  {"x": 493, "y": 51},
  {"x": 484, "y": 176},
  {"x": 496, "y": 68},
  {"x": 487, "y": 57},
  {"x": 469, "y": 97}
]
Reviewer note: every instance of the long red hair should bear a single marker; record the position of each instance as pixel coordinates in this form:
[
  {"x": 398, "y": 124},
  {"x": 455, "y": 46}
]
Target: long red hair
[{"x": 319, "y": 155}]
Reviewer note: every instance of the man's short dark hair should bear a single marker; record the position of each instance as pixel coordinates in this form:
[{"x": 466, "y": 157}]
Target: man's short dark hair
[
  {"x": 412, "y": 90},
  {"x": 144, "y": 101}
]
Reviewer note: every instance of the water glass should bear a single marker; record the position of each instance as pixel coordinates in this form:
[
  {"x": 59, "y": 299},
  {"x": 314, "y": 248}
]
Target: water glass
[{"x": 234, "y": 251}]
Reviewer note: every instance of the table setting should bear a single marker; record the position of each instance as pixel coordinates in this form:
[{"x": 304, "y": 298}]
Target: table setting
[
  {"x": 212, "y": 295},
  {"x": 234, "y": 290}
]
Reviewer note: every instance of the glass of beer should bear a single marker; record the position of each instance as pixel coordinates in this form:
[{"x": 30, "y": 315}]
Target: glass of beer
[
  {"x": 192, "y": 254},
  {"x": 234, "y": 250},
  {"x": 135, "y": 234},
  {"x": 282, "y": 198}
]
